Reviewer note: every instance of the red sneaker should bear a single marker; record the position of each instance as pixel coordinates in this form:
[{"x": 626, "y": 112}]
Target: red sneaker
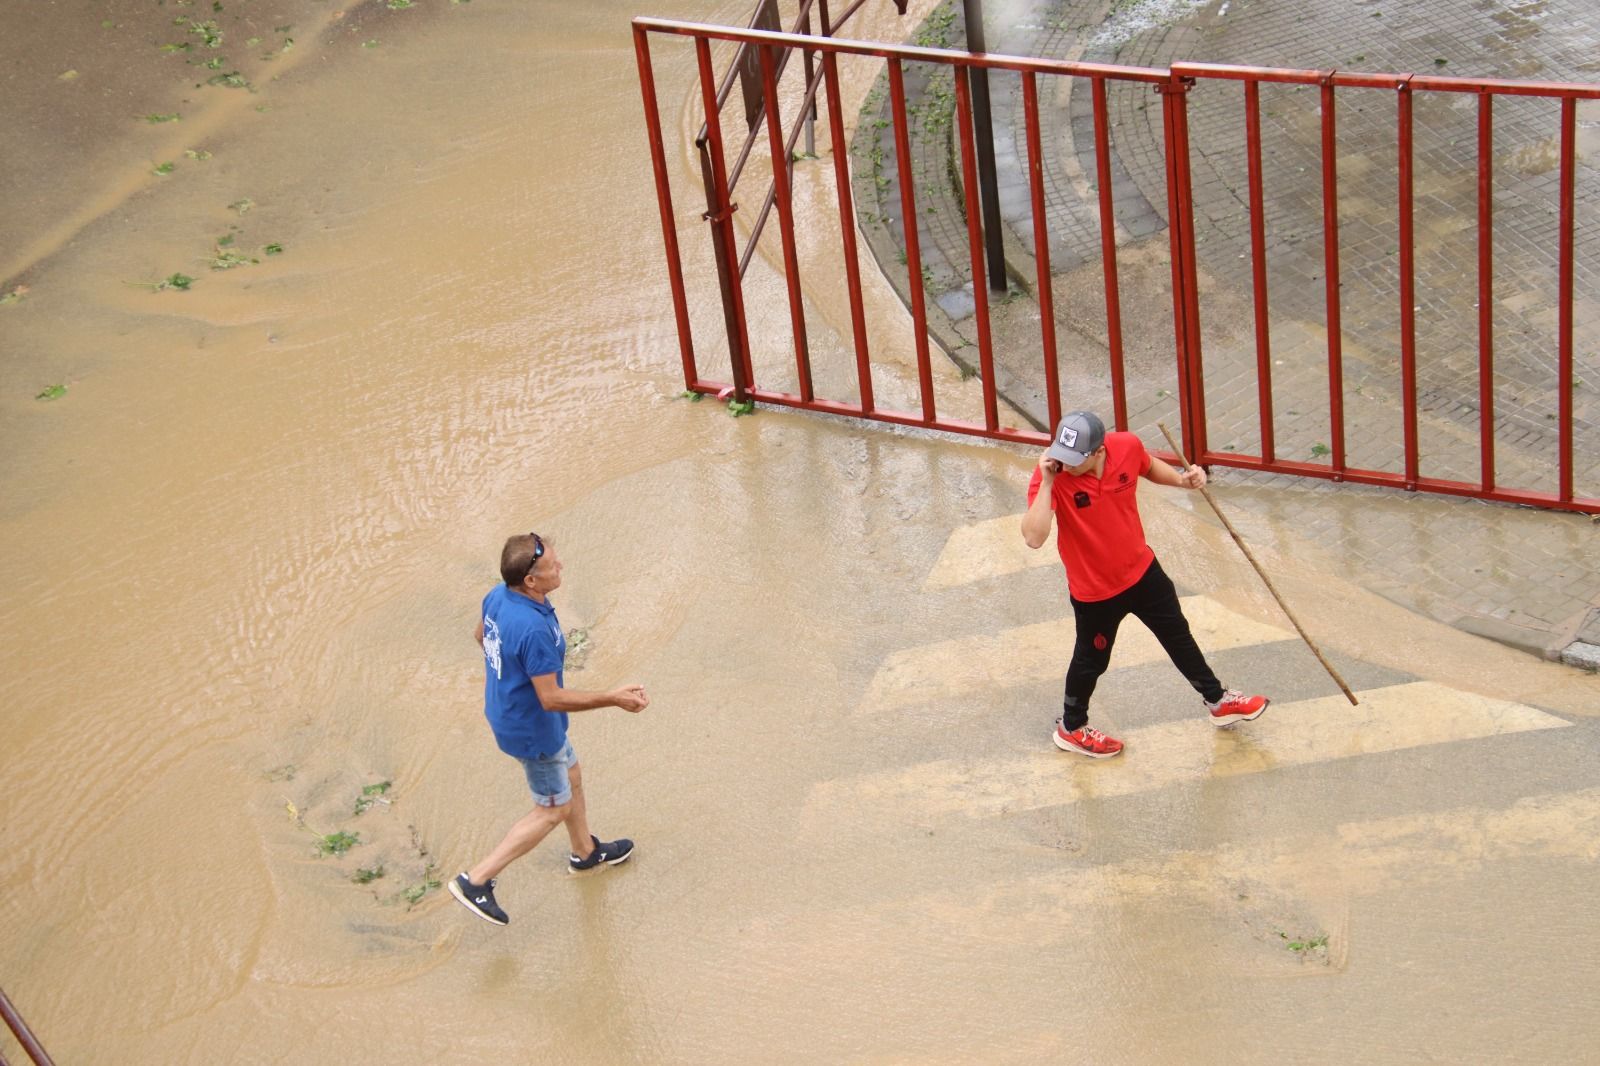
[
  {"x": 1236, "y": 707},
  {"x": 1086, "y": 741}
]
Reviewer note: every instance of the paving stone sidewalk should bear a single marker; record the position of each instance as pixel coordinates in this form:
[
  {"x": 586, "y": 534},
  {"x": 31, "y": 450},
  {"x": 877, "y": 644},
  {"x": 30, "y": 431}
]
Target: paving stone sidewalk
[{"x": 1529, "y": 578}]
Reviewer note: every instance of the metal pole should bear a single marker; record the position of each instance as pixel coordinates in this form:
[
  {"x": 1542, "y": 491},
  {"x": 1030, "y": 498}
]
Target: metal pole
[
  {"x": 1262, "y": 574},
  {"x": 24, "y": 1035},
  {"x": 983, "y": 126}
]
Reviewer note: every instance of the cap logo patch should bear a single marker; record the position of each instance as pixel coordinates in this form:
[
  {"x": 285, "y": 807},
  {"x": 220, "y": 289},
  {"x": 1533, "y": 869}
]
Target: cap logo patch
[{"x": 1069, "y": 437}]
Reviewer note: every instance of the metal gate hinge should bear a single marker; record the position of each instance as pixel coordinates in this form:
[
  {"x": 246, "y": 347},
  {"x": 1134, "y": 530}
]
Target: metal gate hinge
[{"x": 720, "y": 216}]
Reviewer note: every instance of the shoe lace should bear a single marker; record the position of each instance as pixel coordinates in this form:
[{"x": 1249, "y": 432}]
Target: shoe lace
[
  {"x": 1094, "y": 736},
  {"x": 1230, "y": 696}
]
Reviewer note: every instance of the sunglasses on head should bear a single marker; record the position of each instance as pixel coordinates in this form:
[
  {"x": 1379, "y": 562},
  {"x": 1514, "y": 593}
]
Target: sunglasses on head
[{"x": 538, "y": 553}]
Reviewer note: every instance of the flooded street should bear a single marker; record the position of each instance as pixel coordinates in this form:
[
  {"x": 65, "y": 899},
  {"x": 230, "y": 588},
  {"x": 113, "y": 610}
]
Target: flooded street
[{"x": 244, "y": 550}]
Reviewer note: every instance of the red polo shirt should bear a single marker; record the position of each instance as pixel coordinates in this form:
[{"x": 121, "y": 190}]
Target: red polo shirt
[{"x": 1098, "y": 531}]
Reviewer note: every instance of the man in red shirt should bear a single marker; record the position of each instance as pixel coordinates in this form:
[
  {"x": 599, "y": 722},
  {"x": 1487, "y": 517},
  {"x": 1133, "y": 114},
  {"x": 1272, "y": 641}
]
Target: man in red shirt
[{"x": 1086, "y": 481}]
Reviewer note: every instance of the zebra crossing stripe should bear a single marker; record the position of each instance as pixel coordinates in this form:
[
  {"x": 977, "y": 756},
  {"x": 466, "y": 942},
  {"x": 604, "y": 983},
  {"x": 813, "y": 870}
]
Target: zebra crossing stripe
[
  {"x": 988, "y": 549},
  {"x": 986, "y": 661},
  {"x": 1316, "y": 875},
  {"x": 1190, "y": 751}
]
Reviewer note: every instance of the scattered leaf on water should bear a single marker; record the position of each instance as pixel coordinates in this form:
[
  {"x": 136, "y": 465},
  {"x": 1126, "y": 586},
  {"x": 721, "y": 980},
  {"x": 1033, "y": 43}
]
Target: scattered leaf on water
[
  {"x": 241, "y": 206},
  {"x": 52, "y": 392},
  {"x": 181, "y": 282},
  {"x": 228, "y": 260},
  {"x": 274, "y": 248},
  {"x": 224, "y": 240},
  {"x": 14, "y": 296},
  {"x": 153, "y": 119},
  {"x": 197, "y": 154},
  {"x": 67, "y": 75},
  {"x": 163, "y": 169},
  {"x": 366, "y": 875},
  {"x": 399, "y": 5},
  {"x": 370, "y": 44}
]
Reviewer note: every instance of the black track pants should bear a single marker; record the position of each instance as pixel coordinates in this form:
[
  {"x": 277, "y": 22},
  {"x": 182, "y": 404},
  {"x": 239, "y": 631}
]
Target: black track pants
[{"x": 1153, "y": 601}]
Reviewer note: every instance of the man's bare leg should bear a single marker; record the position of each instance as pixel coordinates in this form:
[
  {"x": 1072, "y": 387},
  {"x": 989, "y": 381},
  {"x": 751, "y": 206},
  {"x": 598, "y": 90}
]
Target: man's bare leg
[
  {"x": 519, "y": 840},
  {"x": 578, "y": 816}
]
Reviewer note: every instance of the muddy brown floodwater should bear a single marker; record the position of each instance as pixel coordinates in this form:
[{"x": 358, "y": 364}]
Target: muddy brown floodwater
[{"x": 243, "y": 550}]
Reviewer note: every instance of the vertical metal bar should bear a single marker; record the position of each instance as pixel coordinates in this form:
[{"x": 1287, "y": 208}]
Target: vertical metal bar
[
  {"x": 988, "y": 185},
  {"x": 1108, "y": 256},
  {"x": 1486, "y": 286},
  {"x": 720, "y": 215},
  {"x": 1408, "y": 295},
  {"x": 1258, "y": 267},
  {"x": 811, "y": 74},
  {"x": 847, "y": 225},
  {"x": 980, "y": 290},
  {"x": 1041, "y": 248},
  {"x": 1330, "y": 246},
  {"x": 669, "y": 229},
  {"x": 782, "y": 193},
  {"x": 908, "y": 221},
  {"x": 1176, "y": 206},
  {"x": 1195, "y": 416},
  {"x": 1569, "y": 152}
]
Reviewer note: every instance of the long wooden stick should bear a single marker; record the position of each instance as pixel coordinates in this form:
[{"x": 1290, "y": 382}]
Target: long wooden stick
[{"x": 1245, "y": 548}]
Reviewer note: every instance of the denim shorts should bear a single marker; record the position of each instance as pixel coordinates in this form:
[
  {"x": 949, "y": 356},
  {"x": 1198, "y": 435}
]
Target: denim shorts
[{"x": 548, "y": 776}]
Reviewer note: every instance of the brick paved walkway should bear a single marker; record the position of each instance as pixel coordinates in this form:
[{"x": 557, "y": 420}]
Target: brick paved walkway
[{"x": 1529, "y": 578}]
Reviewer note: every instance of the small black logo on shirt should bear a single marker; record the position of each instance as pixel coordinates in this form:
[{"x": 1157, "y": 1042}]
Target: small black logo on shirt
[
  {"x": 1080, "y": 499},
  {"x": 1123, "y": 477}
]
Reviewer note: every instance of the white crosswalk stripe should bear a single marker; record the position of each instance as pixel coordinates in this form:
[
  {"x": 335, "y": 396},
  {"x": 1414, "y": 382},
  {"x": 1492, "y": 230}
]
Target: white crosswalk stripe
[
  {"x": 984, "y": 662},
  {"x": 1190, "y": 751},
  {"x": 987, "y": 549}
]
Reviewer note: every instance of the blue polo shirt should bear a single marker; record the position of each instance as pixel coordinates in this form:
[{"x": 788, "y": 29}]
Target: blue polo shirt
[{"x": 522, "y": 639}]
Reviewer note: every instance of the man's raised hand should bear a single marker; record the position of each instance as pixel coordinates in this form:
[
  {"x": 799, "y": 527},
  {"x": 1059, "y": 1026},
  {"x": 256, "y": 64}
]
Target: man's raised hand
[{"x": 631, "y": 698}]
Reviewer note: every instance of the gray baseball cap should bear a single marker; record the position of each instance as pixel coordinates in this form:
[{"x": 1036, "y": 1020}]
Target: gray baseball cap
[{"x": 1078, "y": 435}]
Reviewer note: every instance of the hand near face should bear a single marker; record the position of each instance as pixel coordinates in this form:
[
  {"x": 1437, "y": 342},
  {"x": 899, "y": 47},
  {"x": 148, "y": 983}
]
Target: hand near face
[{"x": 1048, "y": 467}]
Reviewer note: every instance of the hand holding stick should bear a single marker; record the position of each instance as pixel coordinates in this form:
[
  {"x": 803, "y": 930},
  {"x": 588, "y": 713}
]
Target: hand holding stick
[{"x": 1263, "y": 574}]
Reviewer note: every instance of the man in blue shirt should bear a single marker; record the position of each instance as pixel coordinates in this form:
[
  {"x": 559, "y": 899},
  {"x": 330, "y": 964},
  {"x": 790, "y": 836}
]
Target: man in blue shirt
[{"x": 527, "y": 705}]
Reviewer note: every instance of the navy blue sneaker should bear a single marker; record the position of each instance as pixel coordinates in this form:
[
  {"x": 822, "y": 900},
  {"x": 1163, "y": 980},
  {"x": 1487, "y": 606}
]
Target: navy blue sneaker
[
  {"x": 479, "y": 899},
  {"x": 611, "y": 854}
]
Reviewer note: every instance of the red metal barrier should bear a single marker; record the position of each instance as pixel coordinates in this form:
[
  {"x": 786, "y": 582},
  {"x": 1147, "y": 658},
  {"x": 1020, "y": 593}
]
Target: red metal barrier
[
  {"x": 1175, "y": 87},
  {"x": 828, "y": 48},
  {"x": 1405, "y": 87}
]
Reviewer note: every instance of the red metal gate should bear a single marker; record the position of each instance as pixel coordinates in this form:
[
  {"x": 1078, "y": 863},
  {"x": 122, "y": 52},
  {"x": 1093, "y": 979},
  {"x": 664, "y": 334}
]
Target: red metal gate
[{"x": 1174, "y": 87}]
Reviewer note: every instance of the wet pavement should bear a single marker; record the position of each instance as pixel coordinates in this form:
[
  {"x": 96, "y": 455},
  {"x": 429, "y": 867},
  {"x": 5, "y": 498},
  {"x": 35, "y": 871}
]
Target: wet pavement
[
  {"x": 1529, "y": 579},
  {"x": 244, "y": 549}
]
